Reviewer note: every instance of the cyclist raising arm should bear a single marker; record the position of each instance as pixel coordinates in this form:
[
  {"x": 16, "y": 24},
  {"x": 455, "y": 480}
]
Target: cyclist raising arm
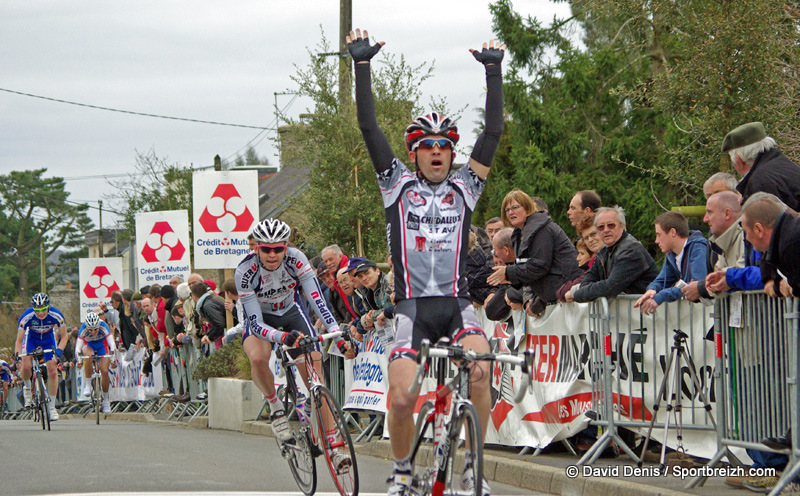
[
  {"x": 95, "y": 338},
  {"x": 428, "y": 216},
  {"x": 37, "y": 327},
  {"x": 268, "y": 281}
]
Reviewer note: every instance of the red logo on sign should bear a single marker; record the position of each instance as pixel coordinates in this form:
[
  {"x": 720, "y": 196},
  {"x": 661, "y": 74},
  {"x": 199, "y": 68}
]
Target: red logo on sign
[
  {"x": 226, "y": 211},
  {"x": 162, "y": 244},
  {"x": 101, "y": 284}
]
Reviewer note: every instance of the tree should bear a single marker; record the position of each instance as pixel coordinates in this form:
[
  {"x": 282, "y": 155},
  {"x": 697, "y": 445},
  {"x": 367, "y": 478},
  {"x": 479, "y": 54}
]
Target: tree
[
  {"x": 251, "y": 157},
  {"x": 343, "y": 189},
  {"x": 638, "y": 110},
  {"x": 34, "y": 212},
  {"x": 155, "y": 185}
]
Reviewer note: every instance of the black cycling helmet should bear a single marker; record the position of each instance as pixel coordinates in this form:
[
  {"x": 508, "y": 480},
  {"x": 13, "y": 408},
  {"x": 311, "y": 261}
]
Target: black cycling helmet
[
  {"x": 40, "y": 300},
  {"x": 430, "y": 125}
]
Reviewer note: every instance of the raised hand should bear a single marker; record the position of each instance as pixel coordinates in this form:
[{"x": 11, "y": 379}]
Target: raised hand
[
  {"x": 359, "y": 46},
  {"x": 491, "y": 54}
]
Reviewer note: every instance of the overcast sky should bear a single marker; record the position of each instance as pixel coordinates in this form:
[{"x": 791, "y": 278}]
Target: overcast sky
[{"x": 214, "y": 61}]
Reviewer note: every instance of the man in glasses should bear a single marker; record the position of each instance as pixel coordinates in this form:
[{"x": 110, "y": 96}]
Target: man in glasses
[
  {"x": 428, "y": 217},
  {"x": 621, "y": 266},
  {"x": 268, "y": 282},
  {"x": 37, "y": 327}
]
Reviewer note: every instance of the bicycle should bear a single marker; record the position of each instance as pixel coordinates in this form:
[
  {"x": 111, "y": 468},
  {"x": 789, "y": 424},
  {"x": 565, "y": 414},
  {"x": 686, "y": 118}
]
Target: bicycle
[
  {"x": 40, "y": 397},
  {"x": 96, "y": 382},
  {"x": 308, "y": 428},
  {"x": 437, "y": 479}
]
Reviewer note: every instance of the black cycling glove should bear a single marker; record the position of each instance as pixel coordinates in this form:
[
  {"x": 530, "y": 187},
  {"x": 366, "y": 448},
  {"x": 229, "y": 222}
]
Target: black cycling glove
[
  {"x": 361, "y": 51},
  {"x": 488, "y": 56},
  {"x": 289, "y": 338}
]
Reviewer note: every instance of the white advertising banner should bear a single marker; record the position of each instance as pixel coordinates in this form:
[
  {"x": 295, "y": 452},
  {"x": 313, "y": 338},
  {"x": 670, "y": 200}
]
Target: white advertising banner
[
  {"x": 162, "y": 246},
  {"x": 126, "y": 381},
  {"x": 365, "y": 376},
  {"x": 99, "y": 277},
  {"x": 225, "y": 206}
]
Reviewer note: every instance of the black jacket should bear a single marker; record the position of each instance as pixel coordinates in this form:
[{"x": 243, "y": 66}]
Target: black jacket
[
  {"x": 478, "y": 269},
  {"x": 783, "y": 253},
  {"x": 773, "y": 172},
  {"x": 546, "y": 257},
  {"x": 211, "y": 307},
  {"x": 625, "y": 267}
]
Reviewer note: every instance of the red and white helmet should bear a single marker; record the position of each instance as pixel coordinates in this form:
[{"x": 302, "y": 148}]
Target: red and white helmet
[{"x": 430, "y": 125}]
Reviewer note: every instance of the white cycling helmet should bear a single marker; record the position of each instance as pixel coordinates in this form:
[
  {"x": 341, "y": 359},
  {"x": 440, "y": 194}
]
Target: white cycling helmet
[
  {"x": 272, "y": 231},
  {"x": 92, "y": 320}
]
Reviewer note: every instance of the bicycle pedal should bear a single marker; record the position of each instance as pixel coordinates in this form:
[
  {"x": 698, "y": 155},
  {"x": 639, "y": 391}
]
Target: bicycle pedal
[{"x": 316, "y": 451}]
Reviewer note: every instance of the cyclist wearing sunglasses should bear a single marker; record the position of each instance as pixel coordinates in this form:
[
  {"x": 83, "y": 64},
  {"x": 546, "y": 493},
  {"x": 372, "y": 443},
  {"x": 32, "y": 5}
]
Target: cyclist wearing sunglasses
[
  {"x": 268, "y": 281},
  {"x": 428, "y": 216},
  {"x": 95, "y": 338},
  {"x": 37, "y": 327}
]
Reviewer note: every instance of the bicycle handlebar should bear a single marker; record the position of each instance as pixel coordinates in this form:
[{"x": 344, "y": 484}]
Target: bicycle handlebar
[
  {"x": 307, "y": 340},
  {"x": 426, "y": 350}
]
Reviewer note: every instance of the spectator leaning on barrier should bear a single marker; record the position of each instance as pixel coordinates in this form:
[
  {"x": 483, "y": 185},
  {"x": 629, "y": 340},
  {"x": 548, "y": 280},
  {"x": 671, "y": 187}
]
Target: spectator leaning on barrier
[
  {"x": 345, "y": 310},
  {"x": 234, "y": 306},
  {"x": 170, "y": 299},
  {"x": 764, "y": 168},
  {"x": 546, "y": 258},
  {"x": 478, "y": 268},
  {"x": 376, "y": 291},
  {"x": 589, "y": 236},
  {"x": 127, "y": 327},
  {"x": 493, "y": 226},
  {"x": 726, "y": 243},
  {"x": 621, "y": 266},
  {"x": 211, "y": 308},
  {"x": 504, "y": 298},
  {"x": 771, "y": 229},
  {"x": 719, "y": 182},
  {"x": 584, "y": 202},
  {"x": 685, "y": 261}
]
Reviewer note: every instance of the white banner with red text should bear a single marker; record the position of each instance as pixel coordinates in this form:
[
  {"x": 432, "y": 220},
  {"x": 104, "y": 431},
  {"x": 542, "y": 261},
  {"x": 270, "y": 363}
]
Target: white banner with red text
[
  {"x": 162, "y": 246},
  {"x": 99, "y": 277}
]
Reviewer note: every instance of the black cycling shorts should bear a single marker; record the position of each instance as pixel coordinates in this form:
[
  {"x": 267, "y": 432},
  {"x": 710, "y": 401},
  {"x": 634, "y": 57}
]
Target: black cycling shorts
[{"x": 432, "y": 318}]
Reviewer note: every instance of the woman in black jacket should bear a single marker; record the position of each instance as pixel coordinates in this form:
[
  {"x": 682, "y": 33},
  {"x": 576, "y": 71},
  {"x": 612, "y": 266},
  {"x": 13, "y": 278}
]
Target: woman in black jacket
[{"x": 546, "y": 257}]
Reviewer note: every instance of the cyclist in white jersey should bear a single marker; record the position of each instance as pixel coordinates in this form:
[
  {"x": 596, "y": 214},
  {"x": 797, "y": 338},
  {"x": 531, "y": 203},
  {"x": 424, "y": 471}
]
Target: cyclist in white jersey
[
  {"x": 428, "y": 218},
  {"x": 268, "y": 282},
  {"x": 37, "y": 328},
  {"x": 95, "y": 339}
]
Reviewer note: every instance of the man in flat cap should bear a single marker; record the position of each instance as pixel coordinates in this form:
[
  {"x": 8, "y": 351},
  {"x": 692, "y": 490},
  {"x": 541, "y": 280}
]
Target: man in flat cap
[{"x": 763, "y": 167}]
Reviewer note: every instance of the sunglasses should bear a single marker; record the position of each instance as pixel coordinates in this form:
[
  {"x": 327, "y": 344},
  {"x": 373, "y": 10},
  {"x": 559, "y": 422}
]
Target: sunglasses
[
  {"x": 609, "y": 226},
  {"x": 428, "y": 143},
  {"x": 43, "y": 309},
  {"x": 270, "y": 249}
]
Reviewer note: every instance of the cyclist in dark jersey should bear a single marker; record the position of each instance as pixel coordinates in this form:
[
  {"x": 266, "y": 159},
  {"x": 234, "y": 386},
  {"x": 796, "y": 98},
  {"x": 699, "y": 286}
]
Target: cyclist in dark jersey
[{"x": 428, "y": 217}]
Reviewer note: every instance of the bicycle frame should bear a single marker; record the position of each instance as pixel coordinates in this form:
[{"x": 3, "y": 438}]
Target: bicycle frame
[
  {"x": 446, "y": 434},
  {"x": 96, "y": 381},
  {"x": 39, "y": 391}
]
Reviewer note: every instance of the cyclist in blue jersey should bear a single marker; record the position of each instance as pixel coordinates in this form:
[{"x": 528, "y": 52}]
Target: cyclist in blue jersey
[
  {"x": 6, "y": 378},
  {"x": 428, "y": 215},
  {"x": 37, "y": 327},
  {"x": 95, "y": 338},
  {"x": 268, "y": 282}
]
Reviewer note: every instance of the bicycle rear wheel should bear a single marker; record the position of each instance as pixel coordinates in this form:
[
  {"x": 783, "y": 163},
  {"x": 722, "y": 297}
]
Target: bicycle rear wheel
[
  {"x": 465, "y": 478},
  {"x": 301, "y": 461},
  {"x": 340, "y": 454},
  {"x": 422, "y": 461}
]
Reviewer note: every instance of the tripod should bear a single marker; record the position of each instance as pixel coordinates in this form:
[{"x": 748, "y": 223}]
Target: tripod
[{"x": 671, "y": 381}]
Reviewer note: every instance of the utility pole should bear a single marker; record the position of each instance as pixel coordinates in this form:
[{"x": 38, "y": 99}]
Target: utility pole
[
  {"x": 345, "y": 25},
  {"x": 100, "y": 230},
  {"x": 44, "y": 270}
]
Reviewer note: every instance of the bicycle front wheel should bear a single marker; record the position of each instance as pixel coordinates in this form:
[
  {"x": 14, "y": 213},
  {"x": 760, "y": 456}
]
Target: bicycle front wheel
[
  {"x": 422, "y": 470},
  {"x": 42, "y": 401},
  {"x": 340, "y": 454},
  {"x": 97, "y": 398},
  {"x": 465, "y": 476},
  {"x": 301, "y": 462}
]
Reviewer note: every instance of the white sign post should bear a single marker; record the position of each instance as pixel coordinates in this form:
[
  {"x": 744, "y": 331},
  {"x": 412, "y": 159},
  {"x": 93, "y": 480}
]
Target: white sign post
[
  {"x": 225, "y": 211},
  {"x": 99, "y": 277},
  {"x": 162, "y": 246}
]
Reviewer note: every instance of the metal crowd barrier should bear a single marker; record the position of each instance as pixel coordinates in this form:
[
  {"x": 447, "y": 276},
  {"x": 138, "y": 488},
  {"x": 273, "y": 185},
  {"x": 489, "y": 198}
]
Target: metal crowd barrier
[
  {"x": 616, "y": 364},
  {"x": 757, "y": 346}
]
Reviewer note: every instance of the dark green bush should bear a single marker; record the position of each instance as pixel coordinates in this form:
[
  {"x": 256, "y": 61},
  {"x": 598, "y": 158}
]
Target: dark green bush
[{"x": 228, "y": 361}]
